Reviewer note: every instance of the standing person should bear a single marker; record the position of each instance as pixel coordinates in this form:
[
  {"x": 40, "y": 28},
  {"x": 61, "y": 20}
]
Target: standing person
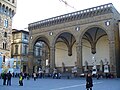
[
  {"x": 9, "y": 75},
  {"x": 21, "y": 80},
  {"x": 4, "y": 77},
  {"x": 89, "y": 82},
  {"x": 34, "y": 76}
]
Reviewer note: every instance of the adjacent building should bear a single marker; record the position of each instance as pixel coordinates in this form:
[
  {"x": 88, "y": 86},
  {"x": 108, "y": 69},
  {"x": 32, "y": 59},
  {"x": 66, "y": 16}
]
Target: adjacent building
[
  {"x": 7, "y": 11},
  {"x": 19, "y": 48}
]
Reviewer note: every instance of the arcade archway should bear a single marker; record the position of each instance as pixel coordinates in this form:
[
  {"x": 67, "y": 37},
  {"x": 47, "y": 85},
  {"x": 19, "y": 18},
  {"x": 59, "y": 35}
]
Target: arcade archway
[
  {"x": 95, "y": 49},
  {"x": 65, "y": 52},
  {"x": 40, "y": 54}
]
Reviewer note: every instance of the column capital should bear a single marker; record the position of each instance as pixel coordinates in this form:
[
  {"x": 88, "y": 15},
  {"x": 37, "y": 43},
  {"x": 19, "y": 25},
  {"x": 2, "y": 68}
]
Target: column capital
[
  {"x": 52, "y": 47},
  {"x": 78, "y": 44}
]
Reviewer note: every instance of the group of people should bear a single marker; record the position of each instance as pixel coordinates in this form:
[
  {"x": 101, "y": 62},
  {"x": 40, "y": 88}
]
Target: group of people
[{"x": 6, "y": 78}]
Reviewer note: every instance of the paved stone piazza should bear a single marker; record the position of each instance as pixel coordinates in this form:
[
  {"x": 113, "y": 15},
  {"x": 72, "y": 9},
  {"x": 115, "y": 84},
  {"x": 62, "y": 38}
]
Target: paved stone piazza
[{"x": 62, "y": 84}]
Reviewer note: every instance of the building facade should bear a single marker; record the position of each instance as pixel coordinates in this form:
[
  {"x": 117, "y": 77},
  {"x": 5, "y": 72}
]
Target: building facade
[
  {"x": 85, "y": 39},
  {"x": 19, "y": 48},
  {"x": 7, "y": 11}
]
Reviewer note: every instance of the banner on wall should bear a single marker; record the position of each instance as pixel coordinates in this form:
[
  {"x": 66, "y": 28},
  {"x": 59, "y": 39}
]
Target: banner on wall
[
  {"x": 10, "y": 64},
  {"x": 0, "y": 61}
]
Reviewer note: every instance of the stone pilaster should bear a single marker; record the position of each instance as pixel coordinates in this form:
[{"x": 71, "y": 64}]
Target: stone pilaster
[
  {"x": 30, "y": 62},
  {"x": 52, "y": 58},
  {"x": 112, "y": 57},
  {"x": 79, "y": 57}
]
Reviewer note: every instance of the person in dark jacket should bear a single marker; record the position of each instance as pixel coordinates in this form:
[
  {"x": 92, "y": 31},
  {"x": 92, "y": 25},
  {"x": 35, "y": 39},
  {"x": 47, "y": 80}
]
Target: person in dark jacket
[
  {"x": 4, "y": 77},
  {"x": 9, "y": 75},
  {"x": 89, "y": 82}
]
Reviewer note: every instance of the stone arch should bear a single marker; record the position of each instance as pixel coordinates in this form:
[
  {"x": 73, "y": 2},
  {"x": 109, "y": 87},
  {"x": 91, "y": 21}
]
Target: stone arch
[
  {"x": 99, "y": 55},
  {"x": 65, "y": 31},
  {"x": 93, "y": 40},
  {"x": 36, "y": 60},
  {"x": 42, "y": 38},
  {"x": 65, "y": 50},
  {"x": 92, "y": 26},
  {"x": 69, "y": 43}
]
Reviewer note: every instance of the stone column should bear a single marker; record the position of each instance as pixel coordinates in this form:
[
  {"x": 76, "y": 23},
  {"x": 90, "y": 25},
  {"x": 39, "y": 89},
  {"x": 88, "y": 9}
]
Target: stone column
[
  {"x": 52, "y": 58},
  {"x": 101, "y": 66},
  {"x": 112, "y": 57},
  {"x": 30, "y": 62},
  {"x": 86, "y": 66},
  {"x": 79, "y": 57}
]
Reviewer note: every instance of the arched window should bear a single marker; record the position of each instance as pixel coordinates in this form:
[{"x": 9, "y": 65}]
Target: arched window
[
  {"x": 6, "y": 11},
  {"x": 10, "y": 12},
  {"x": 3, "y": 8},
  {"x": 13, "y": 13},
  {"x": 4, "y": 45}
]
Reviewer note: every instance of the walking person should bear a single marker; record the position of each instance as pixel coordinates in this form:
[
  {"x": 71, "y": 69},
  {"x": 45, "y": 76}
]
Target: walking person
[
  {"x": 21, "y": 80},
  {"x": 89, "y": 82},
  {"x": 9, "y": 75}
]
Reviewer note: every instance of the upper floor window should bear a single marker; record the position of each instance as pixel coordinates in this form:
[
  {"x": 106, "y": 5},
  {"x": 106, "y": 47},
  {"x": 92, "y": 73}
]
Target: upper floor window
[
  {"x": 39, "y": 51},
  {"x": 0, "y": 20},
  {"x": 5, "y": 34},
  {"x": 3, "y": 58},
  {"x": 4, "y": 45},
  {"x": 25, "y": 49},
  {"x": 3, "y": 9},
  {"x": 13, "y": 1},
  {"x": 16, "y": 49},
  {"x": 6, "y": 23},
  {"x": 25, "y": 36},
  {"x": 0, "y": 7},
  {"x": 17, "y": 36},
  {"x": 107, "y": 23}
]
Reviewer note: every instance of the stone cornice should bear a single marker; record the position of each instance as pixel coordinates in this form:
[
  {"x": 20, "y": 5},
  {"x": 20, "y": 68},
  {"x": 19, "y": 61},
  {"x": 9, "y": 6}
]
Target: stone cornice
[{"x": 82, "y": 14}]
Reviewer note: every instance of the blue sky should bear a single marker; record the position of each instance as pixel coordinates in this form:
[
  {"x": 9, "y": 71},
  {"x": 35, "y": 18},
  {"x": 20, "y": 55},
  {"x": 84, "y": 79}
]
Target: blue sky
[{"x": 29, "y": 11}]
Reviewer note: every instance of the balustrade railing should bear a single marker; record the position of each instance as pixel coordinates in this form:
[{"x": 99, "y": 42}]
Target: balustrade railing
[{"x": 90, "y": 12}]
